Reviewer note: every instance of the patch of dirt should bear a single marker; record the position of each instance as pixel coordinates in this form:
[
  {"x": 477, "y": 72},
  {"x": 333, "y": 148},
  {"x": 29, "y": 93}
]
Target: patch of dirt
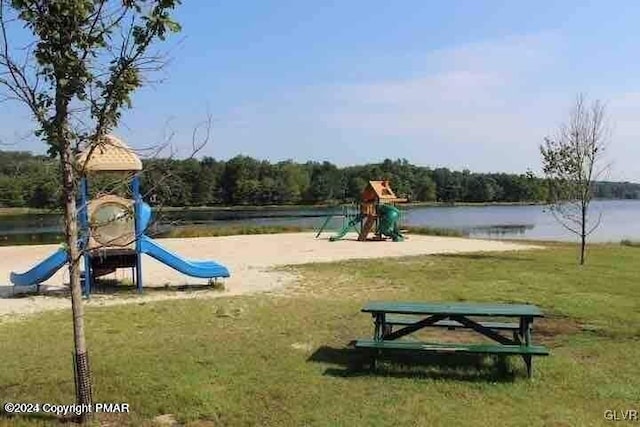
[
  {"x": 166, "y": 420},
  {"x": 305, "y": 347},
  {"x": 549, "y": 329},
  {"x": 203, "y": 423},
  {"x": 112, "y": 420}
]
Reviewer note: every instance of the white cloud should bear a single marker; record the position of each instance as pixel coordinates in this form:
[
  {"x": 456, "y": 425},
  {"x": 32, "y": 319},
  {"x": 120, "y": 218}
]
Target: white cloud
[
  {"x": 475, "y": 79},
  {"x": 486, "y": 106},
  {"x": 482, "y": 100}
]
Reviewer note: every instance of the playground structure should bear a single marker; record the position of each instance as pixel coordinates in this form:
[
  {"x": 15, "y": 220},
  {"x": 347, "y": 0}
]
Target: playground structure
[
  {"x": 376, "y": 214},
  {"x": 111, "y": 227}
]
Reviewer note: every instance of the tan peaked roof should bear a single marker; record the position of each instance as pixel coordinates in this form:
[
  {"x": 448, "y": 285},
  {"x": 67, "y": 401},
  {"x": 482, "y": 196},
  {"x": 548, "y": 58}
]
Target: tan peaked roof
[
  {"x": 109, "y": 154},
  {"x": 382, "y": 189}
]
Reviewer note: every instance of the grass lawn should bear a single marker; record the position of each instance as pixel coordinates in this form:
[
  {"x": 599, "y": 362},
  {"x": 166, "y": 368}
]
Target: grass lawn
[{"x": 283, "y": 359}]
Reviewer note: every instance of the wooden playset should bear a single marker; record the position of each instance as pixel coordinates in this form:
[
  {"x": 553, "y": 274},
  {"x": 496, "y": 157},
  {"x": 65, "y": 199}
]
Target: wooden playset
[
  {"x": 380, "y": 216},
  {"x": 376, "y": 214}
]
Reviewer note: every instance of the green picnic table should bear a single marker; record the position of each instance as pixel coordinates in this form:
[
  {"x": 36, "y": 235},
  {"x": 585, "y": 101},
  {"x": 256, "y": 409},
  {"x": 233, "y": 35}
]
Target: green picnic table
[{"x": 410, "y": 317}]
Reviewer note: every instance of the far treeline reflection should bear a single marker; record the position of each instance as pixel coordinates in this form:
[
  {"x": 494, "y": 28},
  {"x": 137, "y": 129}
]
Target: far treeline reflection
[{"x": 28, "y": 180}]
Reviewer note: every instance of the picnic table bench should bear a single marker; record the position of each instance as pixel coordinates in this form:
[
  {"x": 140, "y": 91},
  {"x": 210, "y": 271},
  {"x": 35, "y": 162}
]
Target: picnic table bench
[{"x": 411, "y": 317}]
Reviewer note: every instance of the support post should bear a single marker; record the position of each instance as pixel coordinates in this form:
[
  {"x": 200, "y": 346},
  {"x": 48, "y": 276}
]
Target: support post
[
  {"x": 84, "y": 235},
  {"x": 135, "y": 187}
]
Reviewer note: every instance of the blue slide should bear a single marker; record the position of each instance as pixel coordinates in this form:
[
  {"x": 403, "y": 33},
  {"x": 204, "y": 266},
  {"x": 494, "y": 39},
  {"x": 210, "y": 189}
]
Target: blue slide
[
  {"x": 42, "y": 271},
  {"x": 203, "y": 269}
]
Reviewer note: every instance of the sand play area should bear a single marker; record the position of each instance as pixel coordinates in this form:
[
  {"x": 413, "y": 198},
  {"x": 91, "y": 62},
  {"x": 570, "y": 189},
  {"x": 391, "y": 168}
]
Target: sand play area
[{"x": 251, "y": 260}]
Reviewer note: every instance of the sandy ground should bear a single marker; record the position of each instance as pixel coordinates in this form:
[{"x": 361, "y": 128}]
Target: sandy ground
[{"x": 250, "y": 259}]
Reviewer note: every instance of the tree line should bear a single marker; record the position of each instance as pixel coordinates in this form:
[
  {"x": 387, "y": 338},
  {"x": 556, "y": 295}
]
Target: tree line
[{"x": 28, "y": 180}]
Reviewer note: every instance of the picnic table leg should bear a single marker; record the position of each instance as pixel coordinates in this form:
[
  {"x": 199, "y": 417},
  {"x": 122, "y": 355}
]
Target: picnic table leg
[
  {"x": 381, "y": 328},
  {"x": 378, "y": 335},
  {"x": 525, "y": 331},
  {"x": 521, "y": 331}
]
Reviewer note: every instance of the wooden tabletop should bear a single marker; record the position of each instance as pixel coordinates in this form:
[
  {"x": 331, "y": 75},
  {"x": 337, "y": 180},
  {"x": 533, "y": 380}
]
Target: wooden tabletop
[{"x": 453, "y": 308}]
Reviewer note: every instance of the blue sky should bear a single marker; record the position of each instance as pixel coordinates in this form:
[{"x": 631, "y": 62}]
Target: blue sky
[{"x": 462, "y": 84}]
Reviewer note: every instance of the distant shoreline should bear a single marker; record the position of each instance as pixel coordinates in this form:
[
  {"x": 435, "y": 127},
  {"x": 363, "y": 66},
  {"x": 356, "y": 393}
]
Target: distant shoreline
[
  {"x": 337, "y": 205},
  {"x": 36, "y": 211}
]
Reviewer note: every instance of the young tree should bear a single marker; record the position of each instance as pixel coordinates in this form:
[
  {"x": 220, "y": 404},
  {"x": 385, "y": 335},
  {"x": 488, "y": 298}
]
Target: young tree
[
  {"x": 572, "y": 162},
  {"x": 78, "y": 69}
]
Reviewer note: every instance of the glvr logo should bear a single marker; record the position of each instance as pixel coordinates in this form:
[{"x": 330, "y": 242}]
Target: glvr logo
[{"x": 621, "y": 415}]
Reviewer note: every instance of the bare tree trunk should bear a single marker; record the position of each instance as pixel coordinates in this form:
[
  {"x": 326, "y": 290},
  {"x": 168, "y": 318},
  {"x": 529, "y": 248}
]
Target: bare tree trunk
[
  {"x": 82, "y": 372},
  {"x": 583, "y": 233}
]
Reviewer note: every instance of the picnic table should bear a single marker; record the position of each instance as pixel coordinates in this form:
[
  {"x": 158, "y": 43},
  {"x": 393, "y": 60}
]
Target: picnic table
[{"x": 394, "y": 320}]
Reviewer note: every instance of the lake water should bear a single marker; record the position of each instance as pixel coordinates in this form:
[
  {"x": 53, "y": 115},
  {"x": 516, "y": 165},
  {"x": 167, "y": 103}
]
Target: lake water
[{"x": 620, "y": 219}]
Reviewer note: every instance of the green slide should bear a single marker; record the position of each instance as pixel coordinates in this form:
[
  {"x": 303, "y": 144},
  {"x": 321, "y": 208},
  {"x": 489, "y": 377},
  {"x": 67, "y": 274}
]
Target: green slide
[
  {"x": 350, "y": 225},
  {"x": 388, "y": 223}
]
